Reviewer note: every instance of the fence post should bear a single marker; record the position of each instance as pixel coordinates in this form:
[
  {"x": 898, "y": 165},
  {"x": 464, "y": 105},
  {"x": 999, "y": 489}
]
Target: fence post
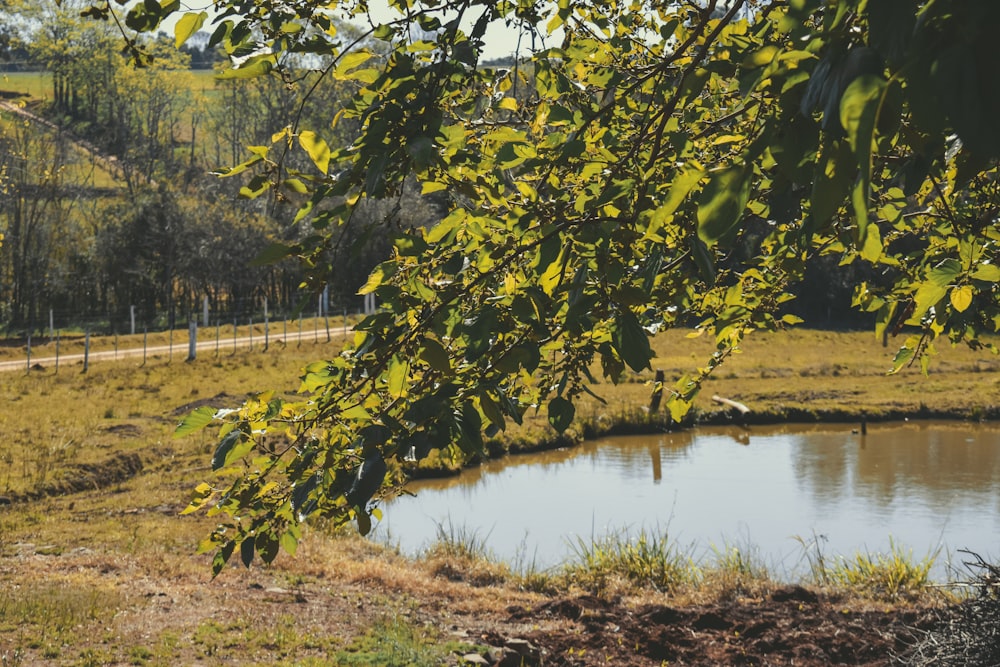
[
  {"x": 52, "y": 325},
  {"x": 192, "y": 339},
  {"x": 86, "y": 351},
  {"x": 204, "y": 311},
  {"x": 131, "y": 318}
]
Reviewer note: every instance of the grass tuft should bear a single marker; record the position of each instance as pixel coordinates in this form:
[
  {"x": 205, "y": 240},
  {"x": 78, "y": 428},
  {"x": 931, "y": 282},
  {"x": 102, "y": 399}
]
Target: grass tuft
[
  {"x": 461, "y": 554},
  {"x": 619, "y": 560},
  {"x": 736, "y": 572},
  {"x": 881, "y": 576}
]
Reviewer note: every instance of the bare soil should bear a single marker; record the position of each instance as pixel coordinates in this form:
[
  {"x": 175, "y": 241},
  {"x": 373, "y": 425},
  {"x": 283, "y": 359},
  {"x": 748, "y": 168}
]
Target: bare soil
[
  {"x": 792, "y": 626},
  {"x": 344, "y": 586}
]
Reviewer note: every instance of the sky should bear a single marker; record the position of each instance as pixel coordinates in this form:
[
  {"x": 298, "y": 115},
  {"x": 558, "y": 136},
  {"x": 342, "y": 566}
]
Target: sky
[{"x": 500, "y": 40}]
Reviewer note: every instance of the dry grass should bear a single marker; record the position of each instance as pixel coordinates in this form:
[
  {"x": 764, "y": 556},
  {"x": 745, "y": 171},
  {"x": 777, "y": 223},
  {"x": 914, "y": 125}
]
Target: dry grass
[{"x": 122, "y": 583}]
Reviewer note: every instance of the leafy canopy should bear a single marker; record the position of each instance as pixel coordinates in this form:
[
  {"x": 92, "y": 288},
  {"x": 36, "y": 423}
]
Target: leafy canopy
[{"x": 667, "y": 163}]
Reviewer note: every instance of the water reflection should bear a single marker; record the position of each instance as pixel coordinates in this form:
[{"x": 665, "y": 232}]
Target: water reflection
[{"x": 924, "y": 484}]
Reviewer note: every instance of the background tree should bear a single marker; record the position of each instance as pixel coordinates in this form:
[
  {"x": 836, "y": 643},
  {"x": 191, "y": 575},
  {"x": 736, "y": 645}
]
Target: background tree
[
  {"x": 672, "y": 163},
  {"x": 35, "y": 209}
]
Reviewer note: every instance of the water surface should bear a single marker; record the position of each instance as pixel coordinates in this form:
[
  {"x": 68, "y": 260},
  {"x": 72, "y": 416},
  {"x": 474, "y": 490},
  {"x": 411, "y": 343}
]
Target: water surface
[{"x": 925, "y": 485}]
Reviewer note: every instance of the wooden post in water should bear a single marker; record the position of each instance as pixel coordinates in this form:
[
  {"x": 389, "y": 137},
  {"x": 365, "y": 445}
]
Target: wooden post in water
[{"x": 654, "y": 401}]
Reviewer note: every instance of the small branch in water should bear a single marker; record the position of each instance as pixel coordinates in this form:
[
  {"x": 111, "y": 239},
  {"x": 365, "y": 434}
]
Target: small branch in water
[{"x": 736, "y": 405}]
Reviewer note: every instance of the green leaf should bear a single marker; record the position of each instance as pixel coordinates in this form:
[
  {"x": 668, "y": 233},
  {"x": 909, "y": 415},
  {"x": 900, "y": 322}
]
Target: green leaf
[
  {"x": 871, "y": 241},
  {"x": 945, "y": 273},
  {"x": 252, "y": 68},
  {"x": 289, "y": 543},
  {"x": 722, "y": 203},
  {"x": 561, "y": 413},
  {"x": 188, "y": 25},
  {"x": 397, "y": 377},
  {"x": 987, "y": 272},
  {"x": 272, "y": 254},
  {"x": 247, "y": 551},
  {"x": 549, "y": 279},
  {"x": 233, "y": 446},
  {"x": 378, "y": 276},
  {"x": 631, "y": 342},
  {"x": 195, "y": 420},
  {"x": 434, "y": 354},
  {"x": 859, "y": 108}
]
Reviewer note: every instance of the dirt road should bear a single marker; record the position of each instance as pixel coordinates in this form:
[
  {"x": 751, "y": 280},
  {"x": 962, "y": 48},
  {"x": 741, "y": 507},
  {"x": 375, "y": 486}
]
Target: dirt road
[{"x": 178, "y": 350}]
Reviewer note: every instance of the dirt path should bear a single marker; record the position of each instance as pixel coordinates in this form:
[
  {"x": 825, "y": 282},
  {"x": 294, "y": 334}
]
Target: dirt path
[
  {"x": 179, "y": 349},
  {"x": 105, "y": 161}
]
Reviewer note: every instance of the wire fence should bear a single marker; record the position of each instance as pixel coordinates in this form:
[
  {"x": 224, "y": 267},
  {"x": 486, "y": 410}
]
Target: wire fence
[{"x": 204, "y": 334}]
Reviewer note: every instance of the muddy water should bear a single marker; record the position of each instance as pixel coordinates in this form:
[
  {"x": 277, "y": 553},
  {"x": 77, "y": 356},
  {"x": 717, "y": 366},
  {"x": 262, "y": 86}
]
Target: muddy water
[{"x": 924, "y": 485}]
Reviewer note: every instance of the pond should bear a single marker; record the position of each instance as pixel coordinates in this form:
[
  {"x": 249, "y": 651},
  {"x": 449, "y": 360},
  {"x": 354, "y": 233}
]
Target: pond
[{"x": 926, "y": 486}]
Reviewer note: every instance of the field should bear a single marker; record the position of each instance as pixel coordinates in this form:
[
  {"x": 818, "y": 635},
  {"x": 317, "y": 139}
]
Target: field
[
  {"x": 29, "y": 84},
  {"x": 97, "y": 566}
]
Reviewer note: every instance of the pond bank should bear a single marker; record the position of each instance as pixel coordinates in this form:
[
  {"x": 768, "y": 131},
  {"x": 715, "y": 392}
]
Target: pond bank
[{"x": 538, "y": 437}]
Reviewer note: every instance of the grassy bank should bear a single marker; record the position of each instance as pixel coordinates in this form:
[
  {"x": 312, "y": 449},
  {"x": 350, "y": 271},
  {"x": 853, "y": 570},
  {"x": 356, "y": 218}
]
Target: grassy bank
[
  {"x": 65, "y": 419},
  {"x": 121, "y": 583}
]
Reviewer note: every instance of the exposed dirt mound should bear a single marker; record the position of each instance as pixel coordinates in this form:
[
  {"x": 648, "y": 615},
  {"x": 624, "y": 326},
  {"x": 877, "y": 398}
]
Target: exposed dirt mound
[
  {"x": 85, "y": 477},
  {"x": 124, "y": 430},
  {"x": 217, "y": 401},
  {"x": 792, "y": 626}
]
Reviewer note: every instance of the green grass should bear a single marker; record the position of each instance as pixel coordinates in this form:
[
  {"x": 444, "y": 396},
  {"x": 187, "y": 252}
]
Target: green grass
[
  {"x": 57, "y": 421},
  {"x": 887, "y": 576},
  {"x": 645, "y": 560},
  {"x": 396, "y": 641},
  {"x": 31, "y": 84},
  {"x": 48, "y": 615}
]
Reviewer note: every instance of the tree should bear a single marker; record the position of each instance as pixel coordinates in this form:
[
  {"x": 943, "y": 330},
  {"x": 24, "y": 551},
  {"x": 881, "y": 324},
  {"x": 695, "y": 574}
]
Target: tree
[
  {"x": 666, "y": 163},
  {"x": 35, "y": 214}
]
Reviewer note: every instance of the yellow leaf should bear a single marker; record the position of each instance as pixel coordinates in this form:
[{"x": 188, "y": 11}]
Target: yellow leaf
[
  {"x": 186, "y": 26},
  {"x": 961, "y": 298},
  {"x": 317, "y": 149},
  {"x": 550, "y": 278}
]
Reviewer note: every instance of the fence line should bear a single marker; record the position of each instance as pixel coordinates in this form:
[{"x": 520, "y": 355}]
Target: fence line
[{"x": 35, "y": 353}]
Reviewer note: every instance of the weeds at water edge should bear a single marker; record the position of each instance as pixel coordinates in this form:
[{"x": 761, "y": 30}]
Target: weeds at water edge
[{"x": 882, "y": 576}]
